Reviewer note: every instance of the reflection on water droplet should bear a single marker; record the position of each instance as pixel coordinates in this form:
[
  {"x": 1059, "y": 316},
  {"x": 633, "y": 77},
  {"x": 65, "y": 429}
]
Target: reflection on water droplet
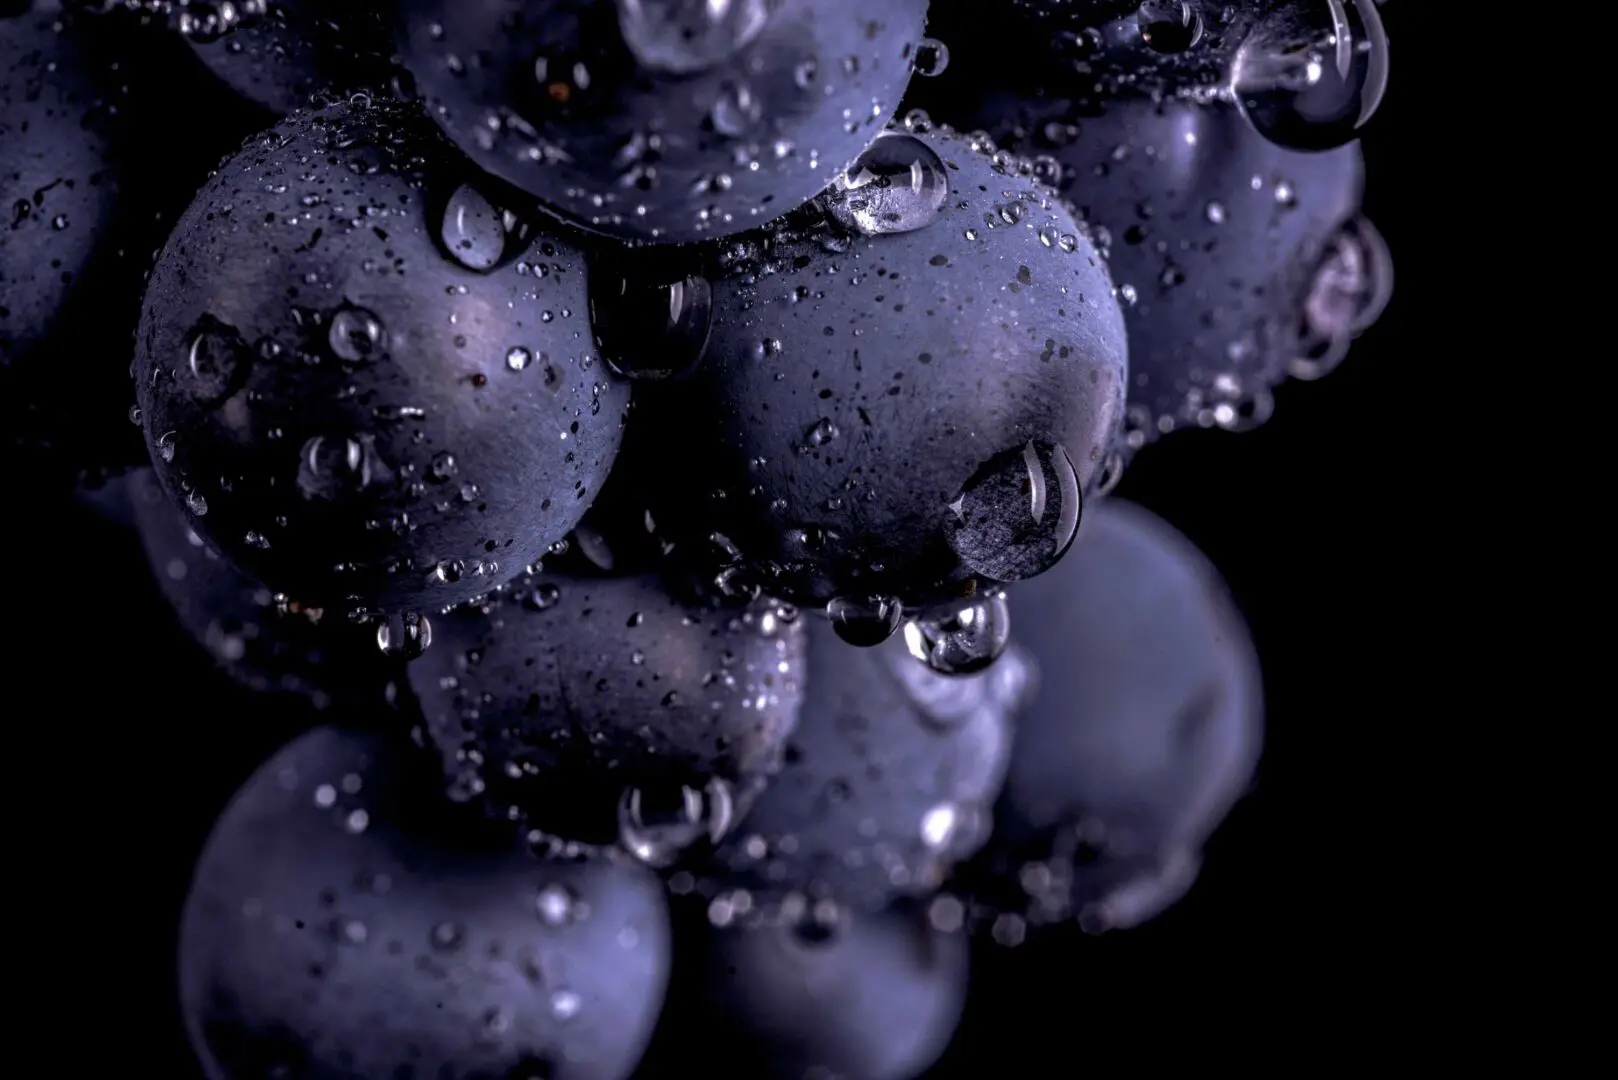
[
  {"x": 355, "y": 335},
  {"x": 1310, "y": 76},
  {"x": 865, "y": 622},
  {"x": 1018, "y": 515},
  {"x": 931, "y": 57},
  {"x": 648, "y": 328},
  {"x": 1351, "y": 287},
  {"x": 406, "y": 636},
  {"x": 473, "y": 231},
  {"x": 217, "y": 358},
  {"x": 656, "y": 827},
  {"x": 555, "y": 904},
  {"x": 1169, "y": 26},
  {"x": 681, "y": 37},
  {"x": 333, "y": 468},
  {"x": 898, "y": 185},
  {"x": 961, "y": 640}
]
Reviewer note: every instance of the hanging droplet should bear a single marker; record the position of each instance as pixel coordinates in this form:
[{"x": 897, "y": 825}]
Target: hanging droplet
[
  {"x": 648, "y": 328},
  {"x": 1018, "y": 515},
  {"x": 657, "y": 827},
  {"x": 931, "y": 57},
  {"x": 961, "y": 640},
  {"x": 865, "y": 622},
  {"x": 682, "y": 37},
  {"x": 1310, "y": 76},
  {"x": 898, "y": 185},
  {"x": 1169, "y": 26},
  {"x": 406, "y": 636},
  {"x": 334, "y": 467},
  {"x": 473, "y": 230}
]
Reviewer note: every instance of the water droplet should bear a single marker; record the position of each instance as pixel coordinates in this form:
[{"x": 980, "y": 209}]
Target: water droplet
[
  {"x": 407, "y": 635},
  {"x": 931, "y": 57},
  {"x": 565, "y": 1005},
  {"x": 865, "y": 622},
  {"x": 961, "y": 640},
  {"x": 1351, "y": 287},
  {"x": 1018, "y": 515},
  {"x": 555, "y": 904},
  {"x": 542, "y": 596},
  {"x": 355, "y": 335},
  {"x": 647, "y": 328},
  {"x": 898, "y": 185},
  {"x": 334, "y": 468},
  {"x": 1169, "y": 26},
  {"x": 682, "y": 37},
  {"x": 1310, "y": 76},
  {"x": 518, "y": 358},
  {"x": 195, "y": 503},
  {"x": 474, "y": 230},
  {"x": 656, "y": 827},
  {"x": 216, "y": 357}
]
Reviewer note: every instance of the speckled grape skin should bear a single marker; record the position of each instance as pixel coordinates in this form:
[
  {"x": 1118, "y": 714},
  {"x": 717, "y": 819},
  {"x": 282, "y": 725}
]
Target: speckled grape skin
[
  {"x": 434, "y": 451},
  {"x": 931, "y": 352},
  {"x": 825, "y": 75}
]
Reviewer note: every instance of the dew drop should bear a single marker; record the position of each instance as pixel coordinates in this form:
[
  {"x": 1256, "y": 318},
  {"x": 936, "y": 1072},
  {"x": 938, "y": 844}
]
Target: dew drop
[
  {"x": 657, "y": 827},
  {"x": 406, "y": 636},
  {"x": 334, "y": 468},
  {"x": 473, "y": 230},
  {"x": 518, "y": 358},
  {"x": 1169, "y": 26},
  {"x": 931, "y": 57},
  {"x": 961, "y": 640},
  {"x": 216, "y": 358},
  {"x": 1017, "y": 515},
  {"x": 555, "y": 904},
  {"x": 355, "y": 335},
  {"x": 647, "y": 328},
  {"x": 682, "y": 37},
  {"x": 898, "y": 185},
  {"x": 1348, "y": 292},
  {"x": 1310, "y": 76},
  {"x": 865, "y": 622}
]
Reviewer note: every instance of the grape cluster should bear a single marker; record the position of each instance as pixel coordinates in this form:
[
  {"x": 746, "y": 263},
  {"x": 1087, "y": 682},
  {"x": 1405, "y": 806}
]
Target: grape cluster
[{"x": 661, "y": 451}]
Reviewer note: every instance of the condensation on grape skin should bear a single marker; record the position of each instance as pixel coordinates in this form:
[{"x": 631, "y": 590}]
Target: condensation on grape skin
[
  {"x": 407, "y": 635},
  {"x": 686, "y": 38},
  {"x": 647, "y": 328},
  {"x": 1017, "y": 515},
  {"x": 962, "y": 639},
  {"x": 899, "y": 184},
  {"x": 865, "y": 622},
  {"x": 658, "y": 835}
]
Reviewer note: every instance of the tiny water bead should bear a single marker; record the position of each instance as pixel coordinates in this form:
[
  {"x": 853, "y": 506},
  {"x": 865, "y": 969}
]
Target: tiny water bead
[
  {"x": 961, "y": 640},
  {"x": 1350, "y": 289},
  {"x": 865, "y": 622},
  {"x": 1170, "y": 26},
  {"x": 474, "y": 232},
  {"x": 355, "y": 335},
  {"x": 406, "y": 636},
  {"x": 1018, "y": 515},
  {"x": 1309, "y": 77},
  {"x": 683, "y": 37},
  {"x": 898, "y": 185},
  {"x": 216, "y": 359},
  {"x": 647, "y": 328}
]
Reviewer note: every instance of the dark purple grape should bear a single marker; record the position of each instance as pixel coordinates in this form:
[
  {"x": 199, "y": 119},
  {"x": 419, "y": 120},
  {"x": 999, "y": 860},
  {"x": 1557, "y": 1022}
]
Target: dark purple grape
[
  {"x": 906, "y": 391},
  {"x": 662, "y": 121},
  {"x": 265, "y": 644},
  {"x": 1144, "y": 729},
  {"x": 341, "y": 924},
  {"x": 603, "y": 709},
  {"x": 369, "y": 385},
  {"x": 889, "y": 780}
]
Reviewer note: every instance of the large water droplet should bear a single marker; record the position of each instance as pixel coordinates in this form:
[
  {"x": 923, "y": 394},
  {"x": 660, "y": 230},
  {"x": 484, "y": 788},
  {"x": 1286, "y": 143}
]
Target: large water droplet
[
  {"x": 657, "y": 827},
  {"x": 961, "y": 640},
  {"x": 1310, "y": 76},
  {"x": 1169, "y": 26},
  {"x": 474, "y": 231},
  {"x": 1018, "y": 515},
  {"x": 649, "y": 328},
  {"x": 334, "y": 468},
  {"x": 406, "y": 636},
  {"x": 898, "y": 185},
  {"x": 930, "y": 59},
  {"x": 865, "y": 622},
  {"x": 682, "y": 37},
  {"x": 217, "y": 358},
  {"x": 355, "y": 335},
  {"x": 1351, "y": 286}
]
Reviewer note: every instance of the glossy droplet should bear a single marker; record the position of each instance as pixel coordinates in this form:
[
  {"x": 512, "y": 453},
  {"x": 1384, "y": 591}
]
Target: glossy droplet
[
  {"x": 961, "y": 640},
  {"x": 931, "y": 57},
  {"x": 518, "y": 358},
  {"x": 898, "y": 185},
  {"x": 657, "y": 827},
  {"x": 216, "y": 358},
  {"x": 1310, "y": 76},
  {"x": 1018, "y": 515},
  {"x": 1348, "y": 292},
  {"x": 556, "y": 905},
  {"x": 681, "y": 37},
  {"x": 334, "y": 468},
  {"x": 865, "y": 622},
  {"x": 649, "y": 329},
  {"x": 405, "y": 636},
  {"x": 474, "y": 231},
  {"x": 1169, "y": 26},
  {"x": 355, "y": 335}
]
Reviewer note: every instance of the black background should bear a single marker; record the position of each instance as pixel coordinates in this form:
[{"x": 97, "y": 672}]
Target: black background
[{"x": 124, "y": 743}]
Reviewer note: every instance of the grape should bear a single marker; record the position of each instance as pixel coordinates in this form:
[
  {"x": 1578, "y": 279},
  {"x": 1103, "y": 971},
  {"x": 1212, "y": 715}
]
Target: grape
[
  {"x": 367, "y": 385},
  {"x": 877, "y": 996},
  {"x": 661, "y": 120},
  {"x": 889, "y": 780},
  {"x": 580, "y": 703},
  {"x": 906, "y": 390},
  {"x": 264, "y": 645},
  {"x": 279, "y": 53},
  {"x": 1144, "y": 729},
  {"x": 339, "y": 924}
]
